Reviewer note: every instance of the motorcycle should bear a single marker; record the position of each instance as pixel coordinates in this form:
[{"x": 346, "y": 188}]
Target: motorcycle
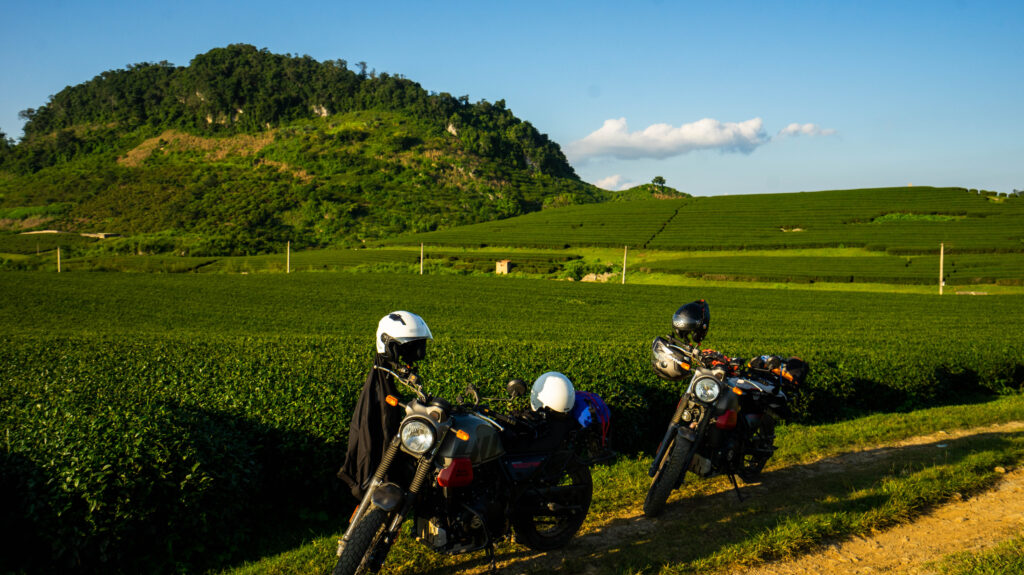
[
  {"x": 467, "y": 477},
  {"x": 725, "y": 421}
]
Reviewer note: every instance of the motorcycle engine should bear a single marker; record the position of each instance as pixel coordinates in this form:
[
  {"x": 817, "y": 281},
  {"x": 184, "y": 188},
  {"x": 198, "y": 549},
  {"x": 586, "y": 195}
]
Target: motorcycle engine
[
  {"x": 721, "y": 450},
  {"x": 472, "y": 518}
]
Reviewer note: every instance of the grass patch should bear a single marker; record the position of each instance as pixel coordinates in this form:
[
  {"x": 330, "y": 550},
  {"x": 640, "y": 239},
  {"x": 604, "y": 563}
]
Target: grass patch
[
  {"x": 1007, "y": 557},
  {"x": 799, "y": 443},
  {"x": 23, "y": 212}
]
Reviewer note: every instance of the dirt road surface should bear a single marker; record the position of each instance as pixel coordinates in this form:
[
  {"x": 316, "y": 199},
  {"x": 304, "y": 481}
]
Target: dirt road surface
[{"x": 970, "y": 523}]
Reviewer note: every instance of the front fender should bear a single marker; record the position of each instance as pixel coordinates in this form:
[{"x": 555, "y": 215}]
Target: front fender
[
  {"x": 387, "y": 496},
  {"x": 688, "y": 434}
]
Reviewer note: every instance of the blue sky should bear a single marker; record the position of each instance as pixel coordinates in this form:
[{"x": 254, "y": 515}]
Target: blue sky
[{"x": 716, "y": 97}]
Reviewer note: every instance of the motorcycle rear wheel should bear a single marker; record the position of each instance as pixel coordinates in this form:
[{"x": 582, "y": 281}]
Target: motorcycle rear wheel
[
  {"x": 356, "y": 557},
  {"x": 550, "y": 523},
  {"x": 668, "y": 476}
]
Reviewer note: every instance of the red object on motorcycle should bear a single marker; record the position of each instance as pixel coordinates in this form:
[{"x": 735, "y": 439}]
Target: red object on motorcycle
[
  {"x": 459, "y": 473},
  {"x": 727, "y": 420}
]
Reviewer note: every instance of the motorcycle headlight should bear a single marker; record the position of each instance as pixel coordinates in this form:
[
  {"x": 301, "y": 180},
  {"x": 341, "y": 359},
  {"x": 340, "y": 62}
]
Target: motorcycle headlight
[
  {"x": 706, "y": 389},
  {"x": 417, "y": 436}
]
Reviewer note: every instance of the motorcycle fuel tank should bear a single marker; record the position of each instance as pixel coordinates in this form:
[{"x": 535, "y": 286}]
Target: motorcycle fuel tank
[{"x": 484, "y": 443}]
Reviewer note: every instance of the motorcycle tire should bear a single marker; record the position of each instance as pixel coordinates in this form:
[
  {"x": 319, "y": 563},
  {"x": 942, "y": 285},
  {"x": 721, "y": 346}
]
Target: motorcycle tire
[
  {"x": 356, "y": 557},
  {"x": 668, "y": 476},
  {"x": 552, "y": 523}
]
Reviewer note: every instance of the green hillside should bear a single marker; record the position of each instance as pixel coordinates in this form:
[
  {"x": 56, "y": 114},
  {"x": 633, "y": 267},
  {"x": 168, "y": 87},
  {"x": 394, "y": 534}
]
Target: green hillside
[
  {"x": 647, "y": 192},
  {"x": 244, "y": 150},
  {"x": 896, "y": 220}
]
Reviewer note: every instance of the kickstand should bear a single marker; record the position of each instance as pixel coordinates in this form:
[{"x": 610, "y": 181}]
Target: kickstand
[
  {"x": 736, "y": 486},
  {"x": 490, "y": 558}
]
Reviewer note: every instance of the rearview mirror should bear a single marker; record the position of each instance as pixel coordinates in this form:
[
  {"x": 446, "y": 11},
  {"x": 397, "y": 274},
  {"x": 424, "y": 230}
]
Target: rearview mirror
[{"x": 516, "y": 388}]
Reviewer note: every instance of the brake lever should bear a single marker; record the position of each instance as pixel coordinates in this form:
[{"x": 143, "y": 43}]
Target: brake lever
[
  {"x": 410, "y": 380},
  {"x": 473, "y": 393}
]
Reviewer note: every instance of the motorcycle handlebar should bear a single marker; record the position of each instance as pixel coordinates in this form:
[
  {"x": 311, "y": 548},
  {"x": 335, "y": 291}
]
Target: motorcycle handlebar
[{"x": 406, "y": 377}]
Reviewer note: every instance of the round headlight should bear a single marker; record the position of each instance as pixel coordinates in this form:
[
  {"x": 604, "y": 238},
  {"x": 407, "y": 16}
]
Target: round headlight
[
  {"x": 417, "y": 436},
  {"x": 706, "y": 389}
]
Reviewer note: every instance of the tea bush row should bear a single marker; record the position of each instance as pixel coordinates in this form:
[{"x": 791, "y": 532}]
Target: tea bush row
[
  {"x": 975, "y": 223},
  {"x": 185, "y": 452},
  {"x": 959, "y": 269}
]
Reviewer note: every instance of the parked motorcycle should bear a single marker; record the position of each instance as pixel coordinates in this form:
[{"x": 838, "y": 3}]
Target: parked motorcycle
[
  {"x": 468, "y": 476},
  {"x": 725, "y": 421}
]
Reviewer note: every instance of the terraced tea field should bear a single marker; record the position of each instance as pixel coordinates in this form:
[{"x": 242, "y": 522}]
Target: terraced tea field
[{"x": 897, "y": 220}]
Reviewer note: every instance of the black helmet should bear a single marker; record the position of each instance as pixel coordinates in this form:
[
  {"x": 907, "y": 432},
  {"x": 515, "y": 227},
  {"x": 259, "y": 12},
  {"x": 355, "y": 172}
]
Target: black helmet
[
  {"x": 692, "y": 321},
  {"x": 668, "y": 361}
]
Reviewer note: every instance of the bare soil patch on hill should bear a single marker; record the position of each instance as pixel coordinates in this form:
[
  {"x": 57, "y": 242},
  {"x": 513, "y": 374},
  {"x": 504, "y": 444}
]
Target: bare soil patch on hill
[{"x": 215, "y": 148}]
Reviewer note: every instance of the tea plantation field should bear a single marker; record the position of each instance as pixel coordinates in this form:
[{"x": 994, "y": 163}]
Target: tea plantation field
[
  {"x": 170, "y": 422},
  {"x": 877, "y": 236},
  {"x": 897, "y": 220}
]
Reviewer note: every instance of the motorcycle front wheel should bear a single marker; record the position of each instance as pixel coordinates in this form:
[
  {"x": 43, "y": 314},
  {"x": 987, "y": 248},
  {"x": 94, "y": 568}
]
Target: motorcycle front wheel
[
  {"x": 668, "y": 476},
  {"x": 549, "y": 516},
  {"x": 357, "y": 557}
]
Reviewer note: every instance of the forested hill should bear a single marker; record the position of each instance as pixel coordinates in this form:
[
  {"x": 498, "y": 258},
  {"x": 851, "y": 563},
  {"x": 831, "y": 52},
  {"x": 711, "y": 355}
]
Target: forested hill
[{"x": 243, "y": 150}]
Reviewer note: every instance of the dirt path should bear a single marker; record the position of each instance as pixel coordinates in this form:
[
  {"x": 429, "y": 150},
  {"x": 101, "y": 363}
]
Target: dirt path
[{"x": 969, "y": 524}]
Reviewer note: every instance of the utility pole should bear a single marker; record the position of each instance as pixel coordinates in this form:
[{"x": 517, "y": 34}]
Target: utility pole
[
  {"x": 625, "y": 251},
  {"x": 942, "y": 257},
  {"x": 421, "y": 258},
  {"x": 288, "y": 259},
  {"x": 58, "y": 259}
]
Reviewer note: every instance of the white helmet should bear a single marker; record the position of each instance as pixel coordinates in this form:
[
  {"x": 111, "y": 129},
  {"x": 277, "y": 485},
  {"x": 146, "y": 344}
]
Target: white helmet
[
  {"x": 401, "y": 327},
  {"x": 553, "y": 391}
]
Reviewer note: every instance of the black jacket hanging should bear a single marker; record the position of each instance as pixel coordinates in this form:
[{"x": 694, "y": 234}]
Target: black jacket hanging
[{"x": 373, "y": 424}]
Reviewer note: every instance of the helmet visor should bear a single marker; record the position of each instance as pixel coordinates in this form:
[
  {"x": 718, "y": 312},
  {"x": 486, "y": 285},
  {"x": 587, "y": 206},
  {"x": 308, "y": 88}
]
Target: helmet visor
[{"x": 413, "y": 351}]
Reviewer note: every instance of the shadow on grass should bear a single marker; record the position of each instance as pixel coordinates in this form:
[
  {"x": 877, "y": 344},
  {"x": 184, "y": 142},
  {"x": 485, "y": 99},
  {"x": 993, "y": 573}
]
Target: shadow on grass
[
  {"x": 826, "y": 499},
  {"x": 201, "y": 490}
]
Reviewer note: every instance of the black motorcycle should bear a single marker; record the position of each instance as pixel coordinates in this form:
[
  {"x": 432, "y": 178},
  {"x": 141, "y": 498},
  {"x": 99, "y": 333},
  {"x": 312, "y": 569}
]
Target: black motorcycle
[
  {"x": 467, "y": 477},
  {"x": 725, "y": 422}
]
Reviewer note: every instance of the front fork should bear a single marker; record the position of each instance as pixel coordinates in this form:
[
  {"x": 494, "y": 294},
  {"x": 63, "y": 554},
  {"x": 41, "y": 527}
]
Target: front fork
[
  {"x": 378, "y": 479},
  {"x": 675, "y": 426},
  {"x": 388, "y": 497}
]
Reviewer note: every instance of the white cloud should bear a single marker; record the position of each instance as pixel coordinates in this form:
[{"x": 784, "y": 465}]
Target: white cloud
[
  {"x": 661, "y": 141},
  {"x": 614, "y": 183},
  {"x": 796, "y": 129}
]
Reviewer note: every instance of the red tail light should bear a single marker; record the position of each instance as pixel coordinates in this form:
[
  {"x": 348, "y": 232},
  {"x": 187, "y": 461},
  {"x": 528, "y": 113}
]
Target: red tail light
[{"x": 459, "y": 473}]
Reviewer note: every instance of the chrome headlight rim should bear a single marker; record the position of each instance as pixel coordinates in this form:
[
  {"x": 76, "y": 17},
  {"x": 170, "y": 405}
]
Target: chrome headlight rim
[
  {"x": 707, "y": 389},
  {"x": 418, "y": 435}
]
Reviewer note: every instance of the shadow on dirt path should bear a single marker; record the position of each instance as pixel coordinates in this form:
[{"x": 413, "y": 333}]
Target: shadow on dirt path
[{"x": 709, "y": 516}]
